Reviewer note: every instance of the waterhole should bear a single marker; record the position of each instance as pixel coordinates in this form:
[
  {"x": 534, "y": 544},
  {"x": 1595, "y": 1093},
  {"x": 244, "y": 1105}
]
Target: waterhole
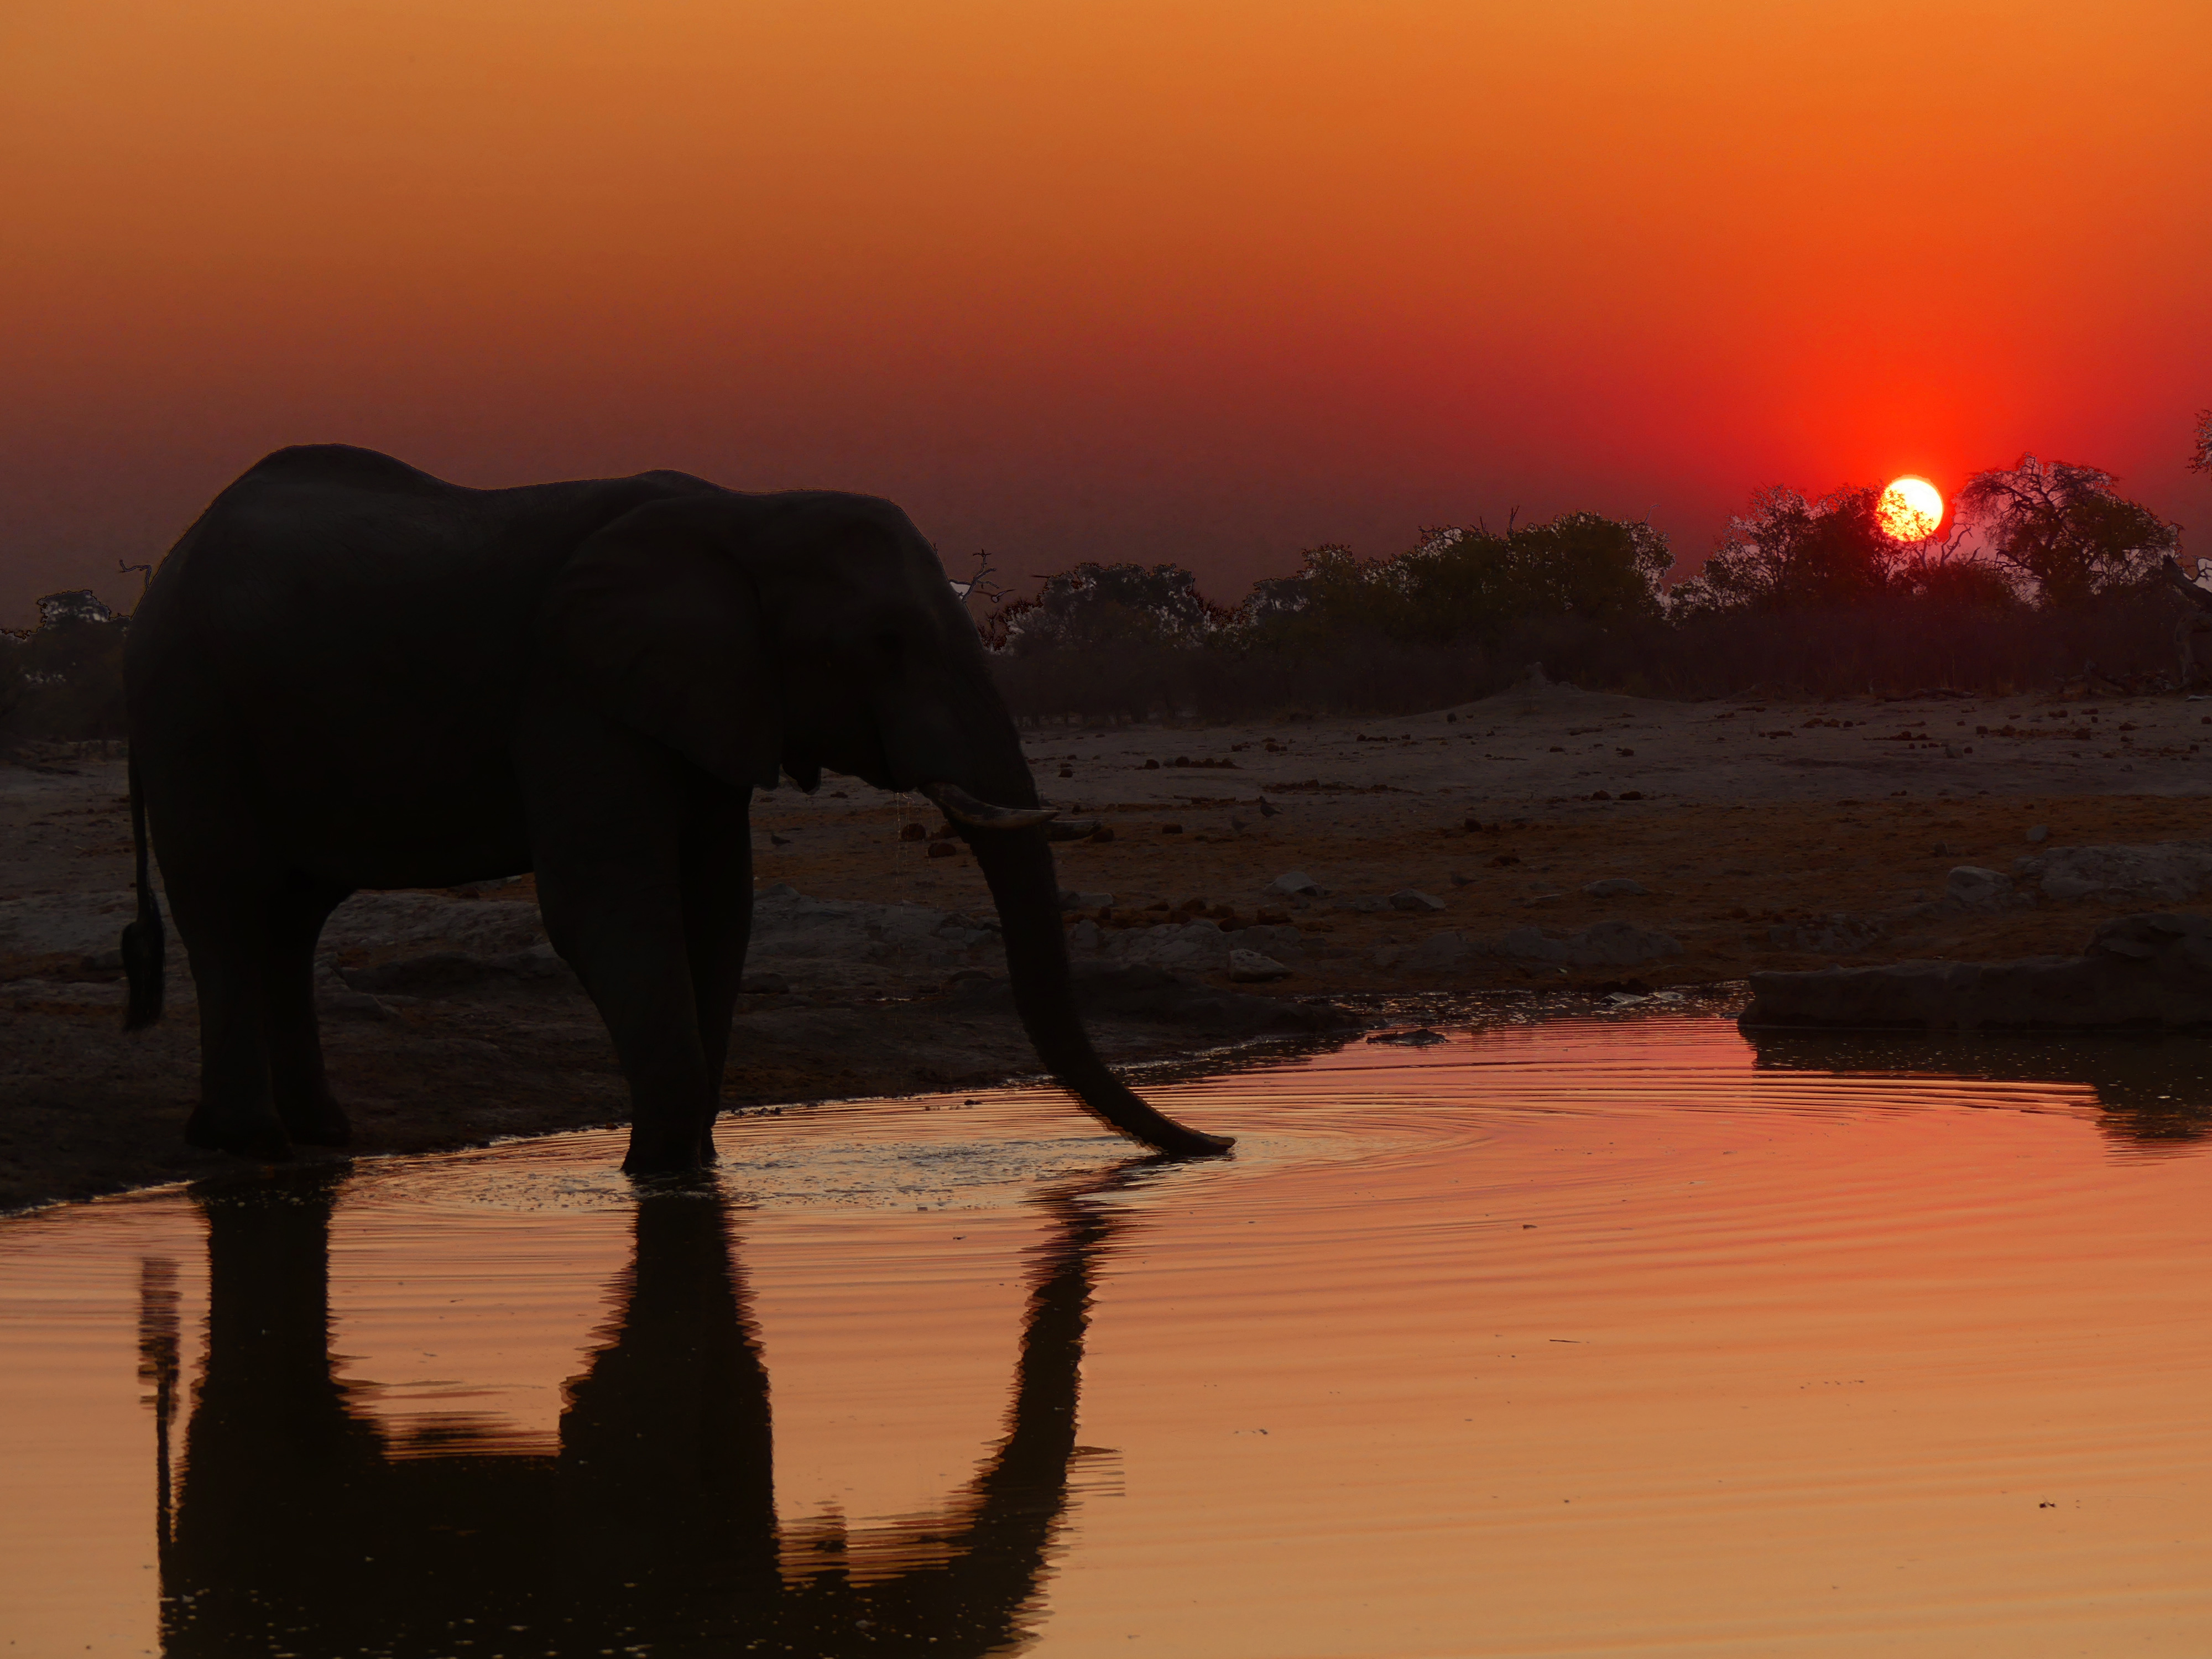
[{"x": 1577, "y": 1337}]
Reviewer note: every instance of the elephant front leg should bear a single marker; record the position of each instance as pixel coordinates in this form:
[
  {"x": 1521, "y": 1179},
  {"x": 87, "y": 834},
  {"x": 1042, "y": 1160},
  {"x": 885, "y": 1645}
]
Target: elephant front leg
[
  {"x": 625, "y": 940},
  {"x": 608, "y": 812}
]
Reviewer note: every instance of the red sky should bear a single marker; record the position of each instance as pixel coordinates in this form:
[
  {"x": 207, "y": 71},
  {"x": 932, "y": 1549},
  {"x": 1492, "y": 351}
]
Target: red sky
[{"x": 1097, "y": 278}]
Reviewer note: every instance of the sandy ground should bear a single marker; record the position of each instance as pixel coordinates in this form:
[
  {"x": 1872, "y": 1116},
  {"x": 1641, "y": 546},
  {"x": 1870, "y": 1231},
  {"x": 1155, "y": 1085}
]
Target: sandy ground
[{"x": 1763, "y": 835}]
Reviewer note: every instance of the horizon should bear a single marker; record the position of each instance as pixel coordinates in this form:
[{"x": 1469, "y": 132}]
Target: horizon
[{"x": 1161, "y": 285}]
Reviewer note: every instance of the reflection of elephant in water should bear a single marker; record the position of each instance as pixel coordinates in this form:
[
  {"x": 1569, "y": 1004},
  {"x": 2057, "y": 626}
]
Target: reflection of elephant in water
[
  {"x": 349, "y": 674},
  {"x": 299, "y": 1528}
]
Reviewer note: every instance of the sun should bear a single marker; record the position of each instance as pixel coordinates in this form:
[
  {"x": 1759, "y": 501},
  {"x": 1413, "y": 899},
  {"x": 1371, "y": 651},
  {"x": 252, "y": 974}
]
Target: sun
[{"x": 1909, "y": 509}]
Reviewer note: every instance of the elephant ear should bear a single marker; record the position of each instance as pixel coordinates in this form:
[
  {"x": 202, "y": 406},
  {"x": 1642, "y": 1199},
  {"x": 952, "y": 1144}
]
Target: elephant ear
[{"x": 654, "y": 618}]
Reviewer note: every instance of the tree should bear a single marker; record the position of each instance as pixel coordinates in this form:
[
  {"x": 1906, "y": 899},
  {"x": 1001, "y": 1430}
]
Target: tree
[
  {"x": 1460, "y": 584},
  {"x": 1098, "y": 604},
  {"x": 1788, "y": 553},
  {"x": 2066, "y": 528},
  {"x": 2200, "y": 458}
]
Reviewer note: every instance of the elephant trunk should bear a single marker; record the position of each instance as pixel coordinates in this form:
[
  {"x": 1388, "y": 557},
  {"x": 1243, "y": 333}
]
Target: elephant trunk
[{"x": 1018, "y": 866}]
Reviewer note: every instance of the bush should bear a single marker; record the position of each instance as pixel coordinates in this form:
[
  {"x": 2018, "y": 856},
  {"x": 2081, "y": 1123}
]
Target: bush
[
  {"x": 63, "y": 680},
  {"x": 1803, "y": 598}
]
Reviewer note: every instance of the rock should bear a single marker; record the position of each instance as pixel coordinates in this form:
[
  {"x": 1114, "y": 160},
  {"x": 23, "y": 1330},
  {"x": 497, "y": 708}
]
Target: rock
[
  {"x": 2168, "y": 871},
  {"x": 1198, "y": 946},
  {"x": 2141, "y": 972},
  {"x": 1366, "y": 903},
  {"x": 1084, "y": 935},
  {"x": 1602, "y": 945},
  {"x": 358, "y": 1004},
  {"x": 1616, "y": 887},
  {"x": 1839, "y": 935},
  {"x": 454, "y": 973},
  {"x": 1073, "y": 901},
  {"x": 1408, "y": 898},
  {"x": 1250, "y": 967},
  {"x": 1294, "y": 882},
  {"x": 2039, "y": 834},
  {"x": 1134, "y": 991},
  {"x": 1972, "y": 888},
  {"x": 1423, "y": 1038}
]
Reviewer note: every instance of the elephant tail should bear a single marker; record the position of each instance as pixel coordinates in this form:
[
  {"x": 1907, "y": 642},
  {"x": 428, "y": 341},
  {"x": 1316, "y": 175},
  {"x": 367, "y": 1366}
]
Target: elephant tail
[{"x": 145, "y": 949}]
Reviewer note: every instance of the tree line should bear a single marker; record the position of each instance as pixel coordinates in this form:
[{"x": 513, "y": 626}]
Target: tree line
[{"x": 2044, "y": 571}]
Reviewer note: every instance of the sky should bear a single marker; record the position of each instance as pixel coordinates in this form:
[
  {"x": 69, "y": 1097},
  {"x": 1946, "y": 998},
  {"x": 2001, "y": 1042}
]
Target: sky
[{"x": 1098, "y": 279}]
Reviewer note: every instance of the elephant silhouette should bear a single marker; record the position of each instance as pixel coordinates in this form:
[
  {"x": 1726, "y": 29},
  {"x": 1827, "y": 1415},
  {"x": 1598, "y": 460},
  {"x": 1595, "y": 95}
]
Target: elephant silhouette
[{"x": 300, "y": 1526}]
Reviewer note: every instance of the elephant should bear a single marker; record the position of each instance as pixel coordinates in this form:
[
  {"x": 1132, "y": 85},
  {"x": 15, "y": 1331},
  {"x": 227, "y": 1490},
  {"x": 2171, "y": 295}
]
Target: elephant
[
  {"x": 303, "y": 1524},
  {"x": 349, "y": 674}
]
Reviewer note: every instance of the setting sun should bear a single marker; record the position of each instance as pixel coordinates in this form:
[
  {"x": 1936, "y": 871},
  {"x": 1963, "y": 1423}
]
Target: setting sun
[{"x": 1911, "y": 509}]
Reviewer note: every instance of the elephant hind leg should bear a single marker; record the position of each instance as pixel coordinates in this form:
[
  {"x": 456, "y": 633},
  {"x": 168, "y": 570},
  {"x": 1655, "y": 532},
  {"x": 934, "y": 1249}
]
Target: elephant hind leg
[
  {"x": 236, "y": 1111},
  {"x": 302, "y": 1092}
]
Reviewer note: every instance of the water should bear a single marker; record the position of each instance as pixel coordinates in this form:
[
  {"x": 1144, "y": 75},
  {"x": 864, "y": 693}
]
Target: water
[{"x": 1574, "y": 1338}]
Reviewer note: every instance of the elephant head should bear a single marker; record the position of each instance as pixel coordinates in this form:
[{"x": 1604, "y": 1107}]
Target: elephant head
[{"x": 811, "y": 631}]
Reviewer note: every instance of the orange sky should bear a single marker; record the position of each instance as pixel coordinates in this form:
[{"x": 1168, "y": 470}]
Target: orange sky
[{"x": 1097, "y": 278}]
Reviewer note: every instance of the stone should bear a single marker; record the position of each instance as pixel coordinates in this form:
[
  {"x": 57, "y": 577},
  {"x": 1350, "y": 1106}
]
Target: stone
[
  {"x": 1841, "y": 934},
  {"x": 1972, "y": 888},
  {"x": 1137, "y": 991},
  {"x": 1602, "y": 945},
  {"x": 2039, "y": 834},
  {"x": 1408, "y": 898},
  {"x": 1364, "y": 902},
  {"x": 1071, "y": 900},
  {"x": 1295, "y": 881},
  {"x": 1250, "y": 967},
  {"x": 2166, "y": 872},
  {"x": 2142, "y": 972},
  {"x": 1616, "y": 887}
]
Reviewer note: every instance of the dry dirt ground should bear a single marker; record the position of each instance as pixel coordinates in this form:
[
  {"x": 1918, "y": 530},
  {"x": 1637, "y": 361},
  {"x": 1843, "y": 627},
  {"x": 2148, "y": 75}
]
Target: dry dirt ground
[{"x": 1760, "y": 834}]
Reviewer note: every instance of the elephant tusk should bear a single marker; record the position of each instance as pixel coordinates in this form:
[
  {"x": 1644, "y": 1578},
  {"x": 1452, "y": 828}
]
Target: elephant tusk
[{"x": 963, "y": 808}]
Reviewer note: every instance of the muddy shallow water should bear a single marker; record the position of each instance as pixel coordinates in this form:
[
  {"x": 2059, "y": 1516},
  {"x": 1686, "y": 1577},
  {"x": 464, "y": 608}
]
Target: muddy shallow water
[{"x": 1588, "y": 1336}]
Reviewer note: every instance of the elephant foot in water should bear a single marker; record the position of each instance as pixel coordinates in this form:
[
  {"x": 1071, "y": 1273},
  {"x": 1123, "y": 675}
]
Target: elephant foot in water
[{"x": 654, "y": 1154}]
